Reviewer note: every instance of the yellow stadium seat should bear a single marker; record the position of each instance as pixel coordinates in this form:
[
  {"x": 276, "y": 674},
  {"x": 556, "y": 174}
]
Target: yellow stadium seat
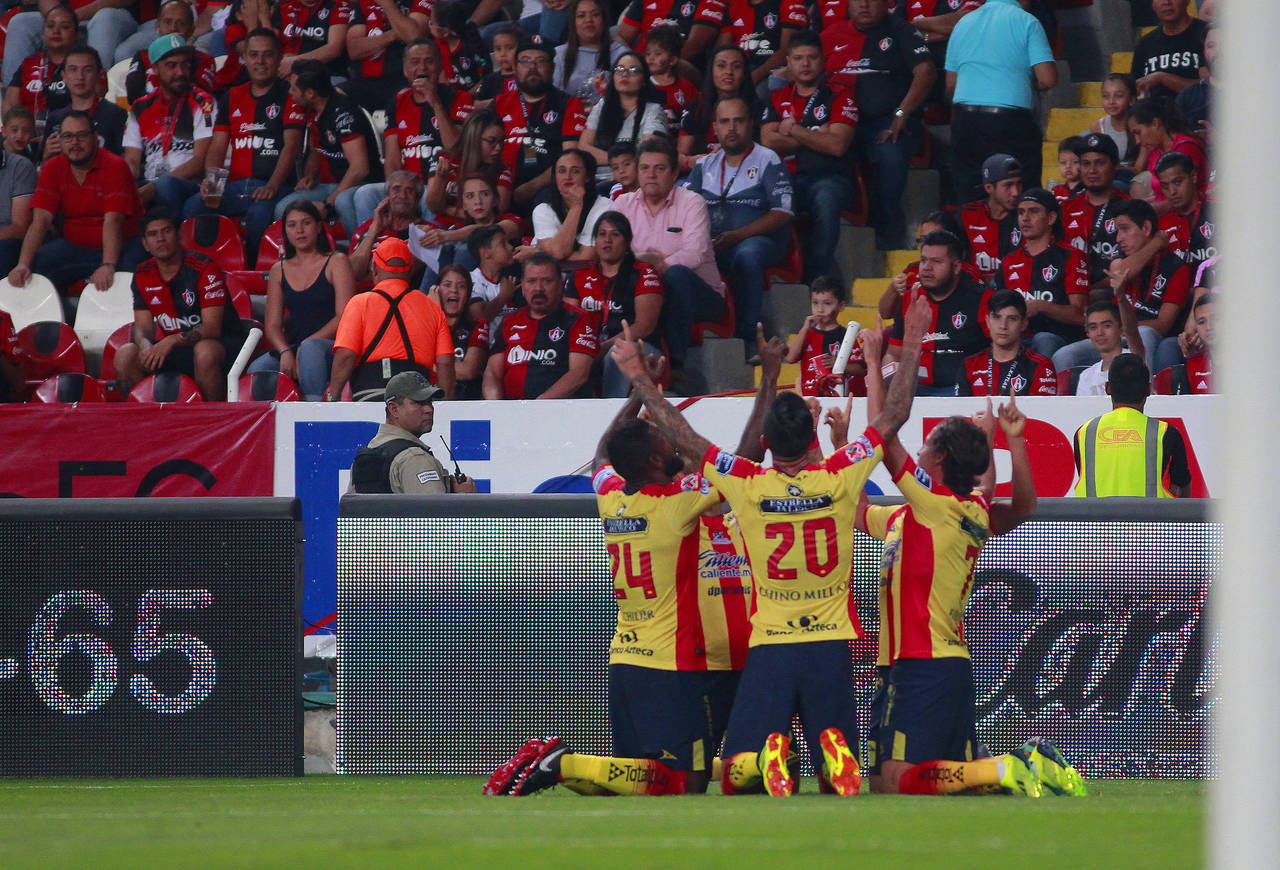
[
  {"x": 864, "y": 314},
  {"x": 1089, "y": 94},
  {"x": 788, "y": 376},
  {"x": 866, "y": 291},
  {"x": 1122, "y": 61},
  {"x": 898, "y": 261},
  {"x": 1069, "y": 122}
]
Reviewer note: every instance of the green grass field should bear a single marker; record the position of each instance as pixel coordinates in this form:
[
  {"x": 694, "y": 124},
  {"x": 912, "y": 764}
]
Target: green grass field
[{"x": 433, "y": 823}]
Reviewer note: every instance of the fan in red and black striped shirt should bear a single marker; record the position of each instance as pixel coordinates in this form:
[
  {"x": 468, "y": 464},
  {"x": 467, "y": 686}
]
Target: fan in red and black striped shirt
[{"x": 1006, "y": 366}]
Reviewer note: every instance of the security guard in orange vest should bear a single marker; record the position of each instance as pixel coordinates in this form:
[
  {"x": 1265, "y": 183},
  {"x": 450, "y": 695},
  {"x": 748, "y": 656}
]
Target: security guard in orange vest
[{"x": 1126, "y": 453}]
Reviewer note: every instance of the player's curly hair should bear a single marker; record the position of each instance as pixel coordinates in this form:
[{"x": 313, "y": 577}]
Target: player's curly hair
[
  {"x": 788, "y": 427},
  {"x": 629, "y": 447},
  {"x": 967, "y": 453}
]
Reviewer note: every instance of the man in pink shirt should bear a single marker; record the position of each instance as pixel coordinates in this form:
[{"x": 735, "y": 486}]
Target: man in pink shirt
[{"x": 672, "y": 233}]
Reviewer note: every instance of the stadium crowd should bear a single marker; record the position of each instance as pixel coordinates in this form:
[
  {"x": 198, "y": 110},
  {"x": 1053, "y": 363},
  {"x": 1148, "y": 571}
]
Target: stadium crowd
[{"x": 552, "y": 175}]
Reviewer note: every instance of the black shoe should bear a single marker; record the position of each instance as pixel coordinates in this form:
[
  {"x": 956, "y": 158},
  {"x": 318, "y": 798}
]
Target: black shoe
[{"x": 543, "y": 771}]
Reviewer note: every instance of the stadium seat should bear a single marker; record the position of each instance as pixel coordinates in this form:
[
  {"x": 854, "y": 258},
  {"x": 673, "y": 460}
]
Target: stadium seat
[
  {"x": 166, "y": 387},
  {"x": 4, "y": 21},
  {"x": 99, "y": 314},
  {"x": 271, "y": 249},
  {"x": 1069, "y": 379},
  {"x": 37, "y": 301},
  {"x": 268, "y": 387},
  {"x": 724, "y": 327},
  {"x": 217, "y": 237},
  {"x": 116, "y": 88},
  {"x": 789, "y": 270},
  {"x": 68, "y": 388},
  {"x": 1172, "y": 381},
  {"x": 239, "y": 297},
  {"x": 49, "y": 348}
]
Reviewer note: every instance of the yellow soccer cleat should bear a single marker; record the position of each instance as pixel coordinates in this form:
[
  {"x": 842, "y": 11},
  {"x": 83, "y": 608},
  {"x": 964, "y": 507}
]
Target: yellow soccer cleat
[
  {"x": 1018, "y": 774},
  {"x": 839, "y": 766},
  {"x": 778, "y": 781},
  {"x": 1055, "y": 773}
]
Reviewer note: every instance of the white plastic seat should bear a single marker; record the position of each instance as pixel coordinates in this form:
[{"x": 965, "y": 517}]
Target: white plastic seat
[
  {"x": 37, "y": 301},
  {"x": 116, "y": 90},
  {"x": 101, "y": 313}
]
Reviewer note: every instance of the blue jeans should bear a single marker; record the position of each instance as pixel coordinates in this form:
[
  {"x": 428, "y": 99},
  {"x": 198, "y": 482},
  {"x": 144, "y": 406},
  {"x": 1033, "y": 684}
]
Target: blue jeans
[
  {"x": 104, "y": 32},
  {"x": 823, "y": 197},
  {"x": 687, "y": 299},
  {"x": 143, "y": 37},
  {"x": 238, "y": 200},
  {"x": 9, "y": 251},
  {"x": 551, "y": 24},
  {"x": 65, "y": 263},
  {"x": 1047, "y": 343},
  {"x": 614, "y": 384},
  {"x": 1167, "y": 354},
  {"x": 744, "y": 266},
  {"x": 315, "y": 360},
  {"x": 889, "y": 164},
  {"x": 345, "y": 203},
  {"x": 173, "y": 192}
]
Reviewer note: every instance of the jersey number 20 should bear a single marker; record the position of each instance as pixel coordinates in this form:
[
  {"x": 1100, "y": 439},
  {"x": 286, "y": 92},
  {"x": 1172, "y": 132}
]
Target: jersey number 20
[{"x": 819, "y": 565}]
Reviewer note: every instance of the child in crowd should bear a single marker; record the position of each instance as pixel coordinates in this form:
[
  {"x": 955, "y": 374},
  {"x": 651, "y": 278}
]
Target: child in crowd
[
  {"x": 19, "y": 132},
  {"x": 662, "y": 54},
  {"x": 503, "y": 79},
  {"x": 1118, "y": 96},
  {"x": 816, "y": 344},
  {"x": 463, "y": 59},
  {"x": 1069, "y": 167},
  {"x": 1006, "y": 366},
  {"x": 622, "y": 162}
]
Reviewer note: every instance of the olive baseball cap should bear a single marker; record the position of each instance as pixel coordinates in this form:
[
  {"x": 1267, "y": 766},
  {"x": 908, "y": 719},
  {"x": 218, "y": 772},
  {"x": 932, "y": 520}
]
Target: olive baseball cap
[{"x": 411, "y": 385}]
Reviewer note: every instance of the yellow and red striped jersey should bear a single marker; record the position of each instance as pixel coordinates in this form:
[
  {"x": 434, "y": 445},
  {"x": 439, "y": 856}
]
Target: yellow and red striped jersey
[
  {"x": 724, "y": 591},
  {"x": 799, "y": 537},
  {"x": 652, "y": 539},
  {"x": 926, "y": 572}
]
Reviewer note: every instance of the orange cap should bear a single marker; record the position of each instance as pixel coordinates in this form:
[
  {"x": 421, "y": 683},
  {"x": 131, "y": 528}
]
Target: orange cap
[{"x": 392, "y": 255}]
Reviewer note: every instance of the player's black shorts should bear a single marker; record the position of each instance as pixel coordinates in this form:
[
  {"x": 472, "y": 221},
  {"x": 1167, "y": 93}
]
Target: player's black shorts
[
  {"x": 722, "y": 688},
  {"x": 876, "y": 718},
  {"x": 182, "y": 359},
  {"x": 929, "y": 712},
  {"x": 663, "y": 715},
  {"x": 814, "y": 679}
]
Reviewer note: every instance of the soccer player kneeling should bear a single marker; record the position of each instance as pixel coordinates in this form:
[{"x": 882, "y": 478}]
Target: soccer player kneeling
[{"x": 923, "y": 731}]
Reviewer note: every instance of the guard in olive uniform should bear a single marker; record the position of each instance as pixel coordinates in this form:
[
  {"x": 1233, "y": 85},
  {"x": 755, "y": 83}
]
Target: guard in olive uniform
[
  {"x": 1126, "y": 453},
  {"x": 396, "y": 460}
]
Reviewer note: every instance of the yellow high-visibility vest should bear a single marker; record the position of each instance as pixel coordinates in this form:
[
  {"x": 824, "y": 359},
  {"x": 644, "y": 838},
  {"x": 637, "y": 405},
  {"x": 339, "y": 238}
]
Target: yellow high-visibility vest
[{"x": 1122, "y": 454}]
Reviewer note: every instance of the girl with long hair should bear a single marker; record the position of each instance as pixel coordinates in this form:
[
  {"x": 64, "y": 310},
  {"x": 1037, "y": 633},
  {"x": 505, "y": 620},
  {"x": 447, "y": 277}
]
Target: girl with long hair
[
  {"x": 630, "y": 111},
  {"x": 307, "y": 291},
  {"x": 582, "y": 63},
  {"x": 470, "y": 334},
  {"x": 478, "y": 153},
  {"x": 443, "y": 240}
]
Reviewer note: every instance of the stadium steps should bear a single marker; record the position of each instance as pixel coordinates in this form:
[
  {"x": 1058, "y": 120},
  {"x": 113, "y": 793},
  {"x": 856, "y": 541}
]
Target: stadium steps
[
  {"x": 1089, "y": 94},
  {"x": 1068, "y": 122},
  {"x": 718, "y": 366},
  {"x": 864, "y": 314},
  {"x": 897, "y": 261},
  {"x": 1121, "y": 61}
]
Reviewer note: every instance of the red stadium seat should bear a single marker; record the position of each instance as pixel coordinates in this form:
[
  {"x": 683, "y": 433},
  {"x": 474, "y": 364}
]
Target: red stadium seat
[
  {"x": 239, "y": 297},
  {"x": 49, "y": 348},
  {"x": 215, "y": 236},
  {"x": 724, "y": 327},
  {"x": 1172, "y": 381},
  {"x": 117, "y": 340},
  {"x": 4, "y": 21},
  {"x": 271, "y": 249},
  {"x": 253, "y": 281},
  {"x": 792, "y": 266},
  {"x": 268, "y": 387},
  {"x": 859, "y": 211},
  {"x": 69, "y": 388},
  {"x": 166, "y": 387}
]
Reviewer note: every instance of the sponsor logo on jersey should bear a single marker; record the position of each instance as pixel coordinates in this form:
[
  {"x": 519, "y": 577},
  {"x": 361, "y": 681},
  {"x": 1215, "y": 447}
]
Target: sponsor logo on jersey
[
  {"x": 979, "y": 239},
  {"x": 801, "y": 505},
  {"x": 859, "y": 449},
  {"x": 724, "y": 461},
  {"x": 625, "y": 525},
  {"x": 922, "y": 477},
  {"x": 977, "y": 532},
  {"x": 543, "y": 356}
]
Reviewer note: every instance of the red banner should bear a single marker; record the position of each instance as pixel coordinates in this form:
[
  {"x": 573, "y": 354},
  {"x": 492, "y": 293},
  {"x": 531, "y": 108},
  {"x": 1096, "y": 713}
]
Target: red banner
[{"x": 113, "y": 451}]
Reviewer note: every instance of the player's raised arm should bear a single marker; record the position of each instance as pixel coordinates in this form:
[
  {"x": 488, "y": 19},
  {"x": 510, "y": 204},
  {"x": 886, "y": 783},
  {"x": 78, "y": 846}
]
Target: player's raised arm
[
  {"x": 771, "y": 355},
  {"x": 986, "y": 421},
  {"x": 630, "y": 409},
  {"x": 1005, "y": 517},
  {"x": 630, "y": 361},
  {"x": 897, "y": 406}
]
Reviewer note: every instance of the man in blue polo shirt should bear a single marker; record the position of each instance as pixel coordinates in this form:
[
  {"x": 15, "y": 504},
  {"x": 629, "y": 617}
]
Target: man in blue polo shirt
[
  {"x": 990, "y": 57},
  {"x": 748, "y": 192}
]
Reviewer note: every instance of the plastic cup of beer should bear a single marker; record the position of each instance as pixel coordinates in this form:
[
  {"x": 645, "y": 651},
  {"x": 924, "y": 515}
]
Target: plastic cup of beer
[{"x": 215, "y": 183}]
